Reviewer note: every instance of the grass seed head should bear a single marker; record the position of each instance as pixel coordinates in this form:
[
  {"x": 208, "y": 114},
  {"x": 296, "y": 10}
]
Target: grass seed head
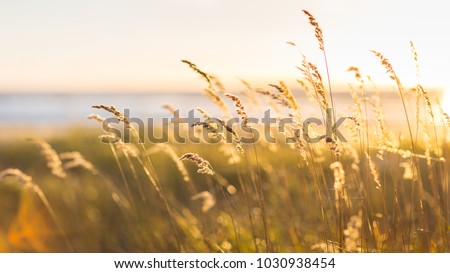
[
  {"x": 318, "y": 31},
  {"x": 202, "y": 164},
  {"x": 53, "y": 161}
]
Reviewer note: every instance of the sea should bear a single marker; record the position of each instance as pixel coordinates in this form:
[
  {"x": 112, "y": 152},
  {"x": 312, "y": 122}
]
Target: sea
[{"x": 59, "y": 109}]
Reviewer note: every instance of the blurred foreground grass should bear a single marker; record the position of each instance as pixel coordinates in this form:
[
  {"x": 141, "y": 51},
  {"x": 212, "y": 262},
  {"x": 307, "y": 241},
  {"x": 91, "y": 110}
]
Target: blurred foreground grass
[{"x": 111, "y": 212}]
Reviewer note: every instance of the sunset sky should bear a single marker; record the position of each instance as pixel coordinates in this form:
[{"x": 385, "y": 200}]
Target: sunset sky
[{"x": 137, "y": 45}]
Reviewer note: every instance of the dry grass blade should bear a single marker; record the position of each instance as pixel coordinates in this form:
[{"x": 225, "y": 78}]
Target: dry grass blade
[
  {"x": 340, "y": 187},
  {"x": 287, "y": 93},
  {"x": 312, "y": 75},
  {"x": 251, "y": 93},
  {"x": 75, "y": 159},
  {"x": 53, "y": 161},
  {"x": 203, "y": 165},
  {"x": 127, "y": 148},
  {"x": 198, "y": 71},
  {"x": 374, "y": 171},
  {"x": 16, "y": 173},
  {"x": 111, "y": 109},
  {"x": 387, "y": 65},
  {"x": 415, "y": 56},
  {"x": 356, "y": 72},
  {"x": 355, "y": 122},
  {"x": 318, "y": 31},
  {"x": 205, "y": 114},
  {"x": 333, "y": 144},
  {"x": 239, "y": 108},
  {"x": 166, "y": 148},
  {"x": 210, "y": 91},
  {"x": 425, "y": 96},
  {"x": 169, "y": 108},
  {"x": 276, "y": 97},
  {"x": 208, "y": 200},
  {"x": 96, "y": 118},
  {"x": 211, "y": 127},
  {"x": 445, "y": 117}
]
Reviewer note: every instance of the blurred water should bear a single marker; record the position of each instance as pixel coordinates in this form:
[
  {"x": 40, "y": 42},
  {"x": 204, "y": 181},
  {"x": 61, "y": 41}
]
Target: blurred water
[{"x": 58, "y": 109}]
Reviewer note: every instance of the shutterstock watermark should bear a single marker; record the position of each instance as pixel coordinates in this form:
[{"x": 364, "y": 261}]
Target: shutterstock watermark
[{"x": 194, "y": 129}]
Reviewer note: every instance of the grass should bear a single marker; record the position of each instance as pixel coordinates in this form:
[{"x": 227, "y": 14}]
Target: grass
[{"x": 381, "y": 191}]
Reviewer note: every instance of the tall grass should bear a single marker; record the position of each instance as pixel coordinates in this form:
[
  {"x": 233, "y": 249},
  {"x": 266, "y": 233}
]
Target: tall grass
[{"x": 381, "y": 191}]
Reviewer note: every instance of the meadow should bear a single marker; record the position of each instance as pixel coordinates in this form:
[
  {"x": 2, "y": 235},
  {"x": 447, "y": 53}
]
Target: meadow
[{"x": 382, "y": 189}]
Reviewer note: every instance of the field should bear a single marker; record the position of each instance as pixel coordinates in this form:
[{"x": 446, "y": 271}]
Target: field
[{"x": 363, "y": 186}]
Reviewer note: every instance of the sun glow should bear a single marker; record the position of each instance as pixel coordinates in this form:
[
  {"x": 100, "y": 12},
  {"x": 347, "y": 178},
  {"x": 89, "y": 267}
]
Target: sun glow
[{"x": 446, "y": 99}]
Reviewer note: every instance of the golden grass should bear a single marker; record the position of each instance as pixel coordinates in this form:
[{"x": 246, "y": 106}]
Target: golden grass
[{"x": 378, "y": 192}]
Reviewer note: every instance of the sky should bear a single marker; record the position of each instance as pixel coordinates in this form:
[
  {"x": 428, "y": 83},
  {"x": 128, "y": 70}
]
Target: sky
[{"x": 137, "y": 45}]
